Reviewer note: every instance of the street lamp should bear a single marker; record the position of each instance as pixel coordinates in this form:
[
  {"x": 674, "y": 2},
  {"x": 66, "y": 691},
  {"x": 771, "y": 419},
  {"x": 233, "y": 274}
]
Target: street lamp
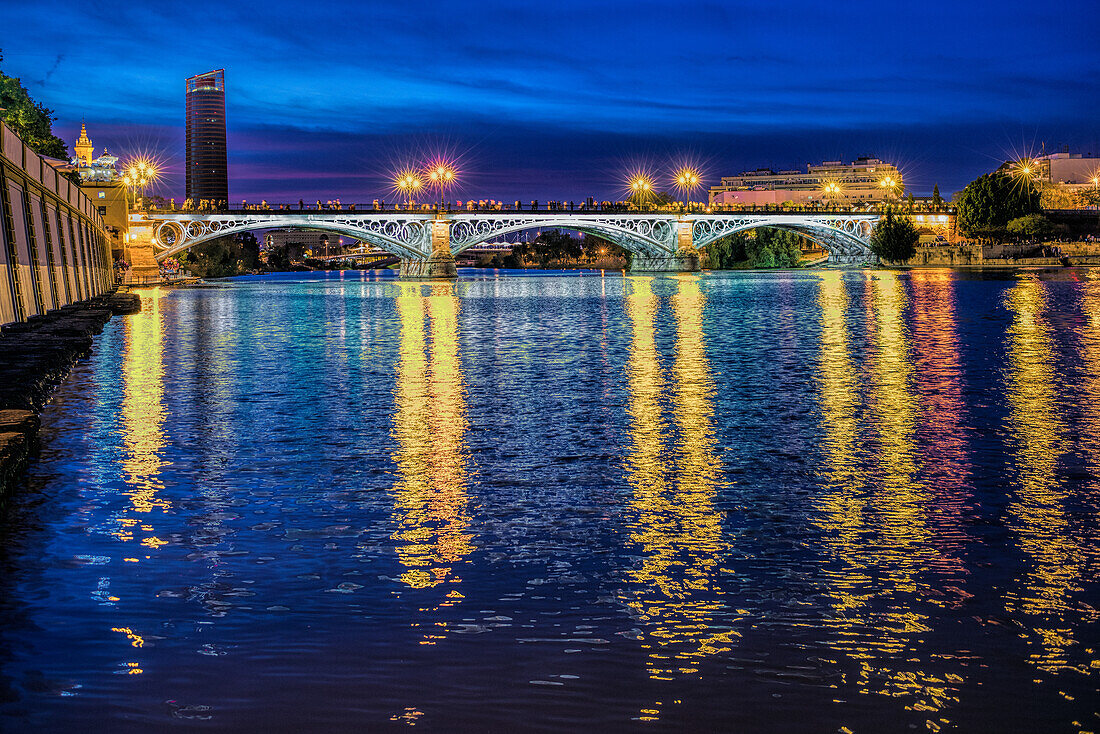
[
  {"x": 686, "y": 181},
  {"x": 442, "y": 176},
  {"x": 409, "y": 183},
  {"x": 831, "y": 189},
  {"x": 640, "y": 188},
  {"x": 889, "y": 185},
  {"x": 138, "y": 175}
]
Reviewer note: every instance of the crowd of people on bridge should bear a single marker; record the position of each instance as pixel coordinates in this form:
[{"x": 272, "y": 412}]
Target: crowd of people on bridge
[{"x": 588, "y": 205}]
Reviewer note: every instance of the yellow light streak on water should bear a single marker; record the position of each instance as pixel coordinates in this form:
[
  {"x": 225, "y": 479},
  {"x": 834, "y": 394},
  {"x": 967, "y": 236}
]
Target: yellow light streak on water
[
  {"x": 676, "y": 523},
  {"x": 143, "y": 413},
  {"x": 1043, "y": 597},
  {"x": 876, "y": 523},
  {"x": 429, "y": 426}
]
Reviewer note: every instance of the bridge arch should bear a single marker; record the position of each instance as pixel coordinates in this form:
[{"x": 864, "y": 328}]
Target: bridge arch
[
  {"x": 403, "y": 237},
  {"x": 651, "y": 236},
  {"x": 846, "y": 239}
]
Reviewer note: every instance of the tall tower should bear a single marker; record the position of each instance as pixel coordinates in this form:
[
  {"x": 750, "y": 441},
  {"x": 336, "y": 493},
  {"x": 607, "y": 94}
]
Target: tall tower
[
  {"x": 83, "y": 147},
  {"x": 207, "y": 167}
]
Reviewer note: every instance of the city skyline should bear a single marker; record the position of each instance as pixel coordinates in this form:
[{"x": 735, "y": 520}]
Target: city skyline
[{"x": 561, "y": 103}]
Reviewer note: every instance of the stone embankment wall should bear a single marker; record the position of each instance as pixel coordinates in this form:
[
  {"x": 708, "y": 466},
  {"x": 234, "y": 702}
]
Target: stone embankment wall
[
  {"x": 1072, "y": 253},
  {"x": 35, "y": 356},
  {"x": 54, "y": 250}
]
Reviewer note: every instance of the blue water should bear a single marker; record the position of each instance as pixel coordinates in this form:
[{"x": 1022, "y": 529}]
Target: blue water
[{"x": 810, "y": 501}]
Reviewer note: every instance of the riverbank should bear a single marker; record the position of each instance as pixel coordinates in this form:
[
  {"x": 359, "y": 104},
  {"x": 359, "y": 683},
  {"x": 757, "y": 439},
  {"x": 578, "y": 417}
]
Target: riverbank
[{"x": 36, "y": 356}]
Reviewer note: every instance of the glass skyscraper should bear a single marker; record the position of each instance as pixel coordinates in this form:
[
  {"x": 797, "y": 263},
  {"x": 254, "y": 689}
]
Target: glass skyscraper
[{"x": 207, "y": 168}]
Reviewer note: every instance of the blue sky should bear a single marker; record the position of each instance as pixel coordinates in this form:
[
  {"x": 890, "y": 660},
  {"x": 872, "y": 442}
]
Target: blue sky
[{"x": 560, "y": 100}]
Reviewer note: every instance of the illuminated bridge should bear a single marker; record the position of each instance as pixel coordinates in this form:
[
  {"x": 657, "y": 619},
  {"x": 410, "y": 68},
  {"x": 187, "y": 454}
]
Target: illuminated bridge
[{"x": 426, "y": 243}]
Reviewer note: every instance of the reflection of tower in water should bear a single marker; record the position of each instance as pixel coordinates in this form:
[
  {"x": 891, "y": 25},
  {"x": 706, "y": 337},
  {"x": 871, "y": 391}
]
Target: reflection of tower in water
[
  {"x": 429, "y": 425},
  {"x": 675, "y": 523}
]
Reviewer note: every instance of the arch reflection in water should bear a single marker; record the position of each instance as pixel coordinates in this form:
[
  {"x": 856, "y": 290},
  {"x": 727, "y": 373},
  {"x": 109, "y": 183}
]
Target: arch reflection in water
[
  {"x": 675, "y": 522},
  {"x": 143, "y": 417},
  {"x": 429, "y": 426},
  {"x": 1043, "y": 599},
  {"x": 875, "y": 523}
]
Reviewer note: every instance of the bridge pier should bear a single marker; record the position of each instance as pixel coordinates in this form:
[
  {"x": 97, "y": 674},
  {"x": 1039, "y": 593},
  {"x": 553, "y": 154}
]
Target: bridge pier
[
  {"x": 685, "y": 260},
  {"x": 441, "y": 263}
]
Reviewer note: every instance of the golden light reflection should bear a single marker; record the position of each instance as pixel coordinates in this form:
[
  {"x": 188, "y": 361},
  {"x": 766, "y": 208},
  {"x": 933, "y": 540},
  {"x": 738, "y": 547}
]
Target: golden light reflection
[
  {"x": 143, "y": 418},
  {"x": 429, "y": 426},
  {"x": 942, "y": 445},
  {"x": 676, "y": 522},
  {"x": 1043, "y": 599},
  {"x": 875, "y": 523}
]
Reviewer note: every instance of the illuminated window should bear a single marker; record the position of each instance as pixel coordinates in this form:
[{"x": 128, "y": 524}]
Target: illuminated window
[{"x": 102, "y": 194}]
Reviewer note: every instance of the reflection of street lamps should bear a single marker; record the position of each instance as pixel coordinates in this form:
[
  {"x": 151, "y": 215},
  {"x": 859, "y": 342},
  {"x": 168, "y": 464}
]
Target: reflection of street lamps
[
  {"x": 442, "y": 176},
  {"x": 409, "y": 183}
]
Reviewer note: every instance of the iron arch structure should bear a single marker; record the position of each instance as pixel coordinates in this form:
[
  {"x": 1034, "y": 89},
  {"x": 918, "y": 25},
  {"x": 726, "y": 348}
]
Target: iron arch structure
[
  {"x": 846, "y": 237},
  {"x": 654, "y": 235},
  {"x": 657, "y": 237},
  {"x": 404, "y": 235}
]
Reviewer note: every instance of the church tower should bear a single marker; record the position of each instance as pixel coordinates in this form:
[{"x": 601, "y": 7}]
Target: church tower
[{"x": 83, "y": 148}]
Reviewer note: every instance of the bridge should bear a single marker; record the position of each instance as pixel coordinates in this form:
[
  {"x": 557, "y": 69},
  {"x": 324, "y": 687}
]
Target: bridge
[{"x": 426, "y": 242}]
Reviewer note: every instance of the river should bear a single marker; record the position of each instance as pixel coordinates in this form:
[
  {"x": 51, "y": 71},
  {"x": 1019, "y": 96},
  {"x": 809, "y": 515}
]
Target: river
[{"x": 805, "y": 501}]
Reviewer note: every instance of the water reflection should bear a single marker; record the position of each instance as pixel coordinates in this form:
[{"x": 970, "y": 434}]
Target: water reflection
[
  {"x": 876, "y": 523},
  {"x": 941, "y": 436},
  {"x": 142, "y": 421},
  {"x": 429, "y": 426},
  {"x": 1043, "y": 597},
  {"x": 675, "y": 522}
]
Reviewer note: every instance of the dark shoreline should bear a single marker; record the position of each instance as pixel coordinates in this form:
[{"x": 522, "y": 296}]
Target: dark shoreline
[{"x": 35, "y": 357}]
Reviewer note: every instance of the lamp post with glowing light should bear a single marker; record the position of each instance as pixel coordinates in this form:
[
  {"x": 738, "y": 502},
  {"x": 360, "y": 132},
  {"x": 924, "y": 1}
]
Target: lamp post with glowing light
[
  {"x": 686, "y": 181},
  {"x": 137, "y": 176},
  {"x": 831, "y": 189},
  {"x": 640, "y": 189},
  {"x": 409, "y": 183},
  {"x": 889, "y": 186},
  {"x": 442, "y": 176}
]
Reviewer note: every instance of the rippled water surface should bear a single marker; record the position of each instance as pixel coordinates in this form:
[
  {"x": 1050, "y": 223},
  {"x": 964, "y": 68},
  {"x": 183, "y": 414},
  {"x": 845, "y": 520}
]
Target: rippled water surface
[{"x": 803, "y": 502}]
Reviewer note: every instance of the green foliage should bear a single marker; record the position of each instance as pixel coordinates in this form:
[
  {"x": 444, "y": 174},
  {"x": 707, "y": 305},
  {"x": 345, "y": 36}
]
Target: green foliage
[
  {"x": 990, "y": 202},
  {"x": 28, "y": 119},
  {"x": 223, "y": 257},
  {"x": 765, "y": 247},
  {"x": 937, "y": 200},
  {"x": 1031, "y": 226},
  {"x": 895, "y": 238},
  {"x": 278, "y": 258}
]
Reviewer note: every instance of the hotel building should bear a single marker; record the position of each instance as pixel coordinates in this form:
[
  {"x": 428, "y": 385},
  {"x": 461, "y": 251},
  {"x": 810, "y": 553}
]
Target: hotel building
[{"x": 863, "y": 181}]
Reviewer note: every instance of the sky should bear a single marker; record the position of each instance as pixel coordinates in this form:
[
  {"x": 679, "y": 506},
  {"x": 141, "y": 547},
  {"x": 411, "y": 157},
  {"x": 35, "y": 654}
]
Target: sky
[{"x": 562, "y": 100}]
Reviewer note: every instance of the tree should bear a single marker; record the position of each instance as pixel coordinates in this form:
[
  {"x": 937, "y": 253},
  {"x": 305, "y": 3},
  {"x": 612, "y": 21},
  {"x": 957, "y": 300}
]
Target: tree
[
  {"x": 278, "y": 258},
  {"x": 223, "y": 257},
  {"x": 988, "y": 203},
  {"x": 774, "y": 248},
  {"x": 895, "y": 238},
  {"x": 1031, "y": 226},
  {"x": 28, "y": 119},
  {"x": 937, "y": 200}
]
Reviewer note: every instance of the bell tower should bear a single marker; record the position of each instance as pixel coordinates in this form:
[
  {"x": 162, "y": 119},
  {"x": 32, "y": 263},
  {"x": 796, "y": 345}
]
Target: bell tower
[{"x": 83, "y": 148}]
